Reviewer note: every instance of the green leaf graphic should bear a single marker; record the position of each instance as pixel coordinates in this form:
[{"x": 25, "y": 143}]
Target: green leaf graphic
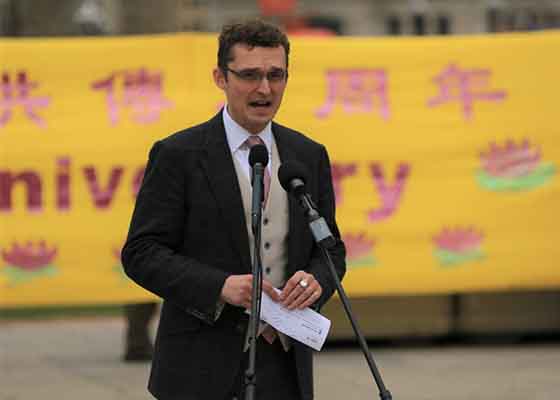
[
  {"x": 538, "y": 177},
  {"x": 448, "y": 258},
  {"x": 363, "y": 262},
  {"x": 17, "y": 276}
]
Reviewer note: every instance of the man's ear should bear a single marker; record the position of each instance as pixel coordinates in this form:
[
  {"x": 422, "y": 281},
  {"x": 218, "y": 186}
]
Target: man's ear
[{"x": 219, "y": 78}]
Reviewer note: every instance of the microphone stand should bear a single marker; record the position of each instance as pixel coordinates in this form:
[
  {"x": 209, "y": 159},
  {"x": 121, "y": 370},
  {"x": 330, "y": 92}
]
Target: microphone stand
[
  {"x": 324, "y": 239},
  {"x": 254, "y": 318}
]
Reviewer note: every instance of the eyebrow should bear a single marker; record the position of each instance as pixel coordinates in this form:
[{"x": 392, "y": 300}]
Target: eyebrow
[{"x": 258, "y": 69}]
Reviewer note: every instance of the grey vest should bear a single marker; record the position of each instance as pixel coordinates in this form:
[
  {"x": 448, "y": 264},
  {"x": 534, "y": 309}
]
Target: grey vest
[
  {"x": 275, "y": 222},
  {"x": 275, "y": 227}
]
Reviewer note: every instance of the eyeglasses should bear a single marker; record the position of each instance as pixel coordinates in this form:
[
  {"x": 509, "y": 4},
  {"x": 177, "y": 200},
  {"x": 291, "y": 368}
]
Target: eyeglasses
[{"x": 256, "y": 75}]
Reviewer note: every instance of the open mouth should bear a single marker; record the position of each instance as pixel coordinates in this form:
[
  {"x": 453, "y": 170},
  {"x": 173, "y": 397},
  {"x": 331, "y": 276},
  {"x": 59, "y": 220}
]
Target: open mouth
[{"x": 260, "y": 104}]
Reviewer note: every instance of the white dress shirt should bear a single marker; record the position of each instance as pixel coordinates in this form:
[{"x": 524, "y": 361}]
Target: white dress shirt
[{"x": 236, "y": 137}]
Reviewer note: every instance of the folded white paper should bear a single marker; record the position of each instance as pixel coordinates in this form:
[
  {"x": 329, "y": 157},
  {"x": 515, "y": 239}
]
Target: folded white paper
[{"x": 306, "y": 326}]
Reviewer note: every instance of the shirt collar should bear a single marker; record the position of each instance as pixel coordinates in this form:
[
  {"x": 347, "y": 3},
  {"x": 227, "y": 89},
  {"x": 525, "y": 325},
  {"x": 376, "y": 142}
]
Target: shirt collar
[{"x": 236, "y": 134}]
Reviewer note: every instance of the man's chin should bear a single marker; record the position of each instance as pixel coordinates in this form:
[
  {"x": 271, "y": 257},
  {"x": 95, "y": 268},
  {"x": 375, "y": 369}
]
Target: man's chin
[
  {"x": 262, "y": 116},
  {"x": 256, "y": 125}
]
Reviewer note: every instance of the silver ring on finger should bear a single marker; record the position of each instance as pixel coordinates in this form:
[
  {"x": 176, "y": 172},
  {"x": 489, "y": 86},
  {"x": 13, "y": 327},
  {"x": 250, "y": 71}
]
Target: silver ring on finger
[{"x": 303, "y": 283}]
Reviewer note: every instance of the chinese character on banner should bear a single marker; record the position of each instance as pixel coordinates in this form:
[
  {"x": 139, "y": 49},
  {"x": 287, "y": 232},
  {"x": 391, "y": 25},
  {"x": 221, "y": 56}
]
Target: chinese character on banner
[
  {"x": 465, "y": 86},
  {"x": 356, "y": 90},
  {"x": 139, "y": 90},
  {"x": 15, "y": 91}
]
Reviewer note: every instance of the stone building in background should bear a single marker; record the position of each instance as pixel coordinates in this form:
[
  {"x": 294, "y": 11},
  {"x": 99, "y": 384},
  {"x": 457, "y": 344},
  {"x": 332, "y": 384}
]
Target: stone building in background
[{"x": 352, "y": 17}]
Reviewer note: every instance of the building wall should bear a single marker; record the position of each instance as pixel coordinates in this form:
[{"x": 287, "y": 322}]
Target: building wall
[
  {"x": 4, "y": 17},
  {"x": 149, "y": 16},
  {"x": 356, "y": 17},
  {"x": 47, "y": 18},
  {"x": 368, "y": 17}
]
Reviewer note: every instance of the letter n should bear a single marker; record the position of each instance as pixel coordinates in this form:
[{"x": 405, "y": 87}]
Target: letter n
[{"x": 32, "y": 182}]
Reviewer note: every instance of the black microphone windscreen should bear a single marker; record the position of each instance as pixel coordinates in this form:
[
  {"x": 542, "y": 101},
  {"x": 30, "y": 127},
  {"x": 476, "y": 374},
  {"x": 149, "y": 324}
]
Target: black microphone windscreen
[
  {"x": 258, "y": 154},
  {"x": 289, "y": 171}
]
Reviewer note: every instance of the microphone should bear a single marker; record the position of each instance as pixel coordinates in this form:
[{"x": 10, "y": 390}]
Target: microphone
[
  {"x": 258, "y": 160},
  {"x": 292, "y": 176}
]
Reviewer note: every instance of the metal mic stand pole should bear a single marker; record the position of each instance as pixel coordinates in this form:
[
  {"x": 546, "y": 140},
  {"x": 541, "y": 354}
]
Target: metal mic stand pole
[
  {"x": 325, "y": 240},
  {"x": 254, "y": 318},
  {"x": 384, "y": 394}
]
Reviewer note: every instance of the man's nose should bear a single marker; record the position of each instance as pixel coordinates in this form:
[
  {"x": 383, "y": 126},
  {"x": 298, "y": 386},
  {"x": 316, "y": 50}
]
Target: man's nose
[{"x": 264, "y": 86}]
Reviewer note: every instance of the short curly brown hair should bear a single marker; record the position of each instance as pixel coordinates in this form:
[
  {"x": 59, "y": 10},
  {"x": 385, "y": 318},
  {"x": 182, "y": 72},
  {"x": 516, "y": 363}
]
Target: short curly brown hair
[{"x": 254, "y": 33}]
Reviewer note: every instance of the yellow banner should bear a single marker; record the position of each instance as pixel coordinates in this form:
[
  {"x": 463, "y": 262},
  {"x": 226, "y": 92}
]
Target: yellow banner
[{"x": 444, "y": 150}]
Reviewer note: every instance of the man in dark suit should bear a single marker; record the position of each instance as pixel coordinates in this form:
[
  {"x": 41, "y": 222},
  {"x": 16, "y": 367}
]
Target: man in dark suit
[{"x": 190, "y": 240}]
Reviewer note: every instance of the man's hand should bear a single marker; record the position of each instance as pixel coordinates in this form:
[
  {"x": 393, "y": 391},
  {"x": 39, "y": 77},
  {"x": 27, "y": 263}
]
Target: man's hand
[
  {"x": 301, "y": 290},
  {"x": 237, "y": 290}
]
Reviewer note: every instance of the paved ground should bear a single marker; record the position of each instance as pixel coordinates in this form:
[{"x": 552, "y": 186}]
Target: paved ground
[{"x": 80, "y": 360}]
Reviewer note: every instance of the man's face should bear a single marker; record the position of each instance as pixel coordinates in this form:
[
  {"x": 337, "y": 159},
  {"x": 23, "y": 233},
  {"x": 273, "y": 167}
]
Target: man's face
[{"x": 253, "y": 102}]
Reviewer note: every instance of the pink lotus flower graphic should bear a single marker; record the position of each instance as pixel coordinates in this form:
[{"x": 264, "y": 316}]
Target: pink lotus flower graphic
[
  {"x": 513, "y": 167},
  {"x": 118, "y": 268},
  {"x": 458, "y": 245},
  {"x": 359, "y": 250},
  {"x": 25, "y": 262},
  {"x": 117, "y": 251}
]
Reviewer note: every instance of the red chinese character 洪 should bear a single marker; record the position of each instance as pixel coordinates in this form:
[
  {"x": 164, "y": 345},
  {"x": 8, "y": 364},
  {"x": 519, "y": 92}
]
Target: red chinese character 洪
[
  {"x": 16, "y": 92},
  {"x": 141, "y": 93},
  {"x": 356, "y": 90},
  {"x": 465, "y": 86}
]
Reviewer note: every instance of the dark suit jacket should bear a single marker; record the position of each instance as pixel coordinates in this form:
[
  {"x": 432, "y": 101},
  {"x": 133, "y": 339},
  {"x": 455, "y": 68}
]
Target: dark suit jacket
[{"x": 188, "y": 234}]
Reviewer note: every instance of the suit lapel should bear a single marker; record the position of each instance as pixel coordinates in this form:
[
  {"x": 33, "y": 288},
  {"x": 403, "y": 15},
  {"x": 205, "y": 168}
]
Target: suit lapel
[
  {"x": 219, "y": 168},
  {"x": 286, "y": 150}
]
